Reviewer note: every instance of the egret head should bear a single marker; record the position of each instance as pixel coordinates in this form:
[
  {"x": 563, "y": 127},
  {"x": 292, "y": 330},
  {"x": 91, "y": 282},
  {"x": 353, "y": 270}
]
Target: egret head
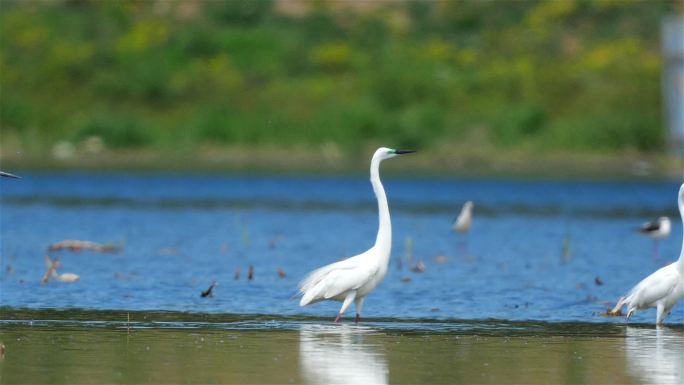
[
  {"x": 468, "y": 205},
  {"x": 383, "y": 153}
]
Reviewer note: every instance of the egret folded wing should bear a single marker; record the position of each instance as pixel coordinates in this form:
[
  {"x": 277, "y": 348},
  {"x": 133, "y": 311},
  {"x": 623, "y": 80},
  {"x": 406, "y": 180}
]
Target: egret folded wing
[
  {"x": 653, "y": 288},
  {"x": 332, "y": 280}
]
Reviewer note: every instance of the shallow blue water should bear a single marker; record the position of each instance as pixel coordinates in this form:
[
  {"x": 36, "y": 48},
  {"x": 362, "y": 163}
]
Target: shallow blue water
[{"x": 179, "y": 233}]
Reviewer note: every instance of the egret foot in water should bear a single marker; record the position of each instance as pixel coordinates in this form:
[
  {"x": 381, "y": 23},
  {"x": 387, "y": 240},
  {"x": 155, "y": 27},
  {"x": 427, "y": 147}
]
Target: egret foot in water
[{"x": 617, "y": 310}]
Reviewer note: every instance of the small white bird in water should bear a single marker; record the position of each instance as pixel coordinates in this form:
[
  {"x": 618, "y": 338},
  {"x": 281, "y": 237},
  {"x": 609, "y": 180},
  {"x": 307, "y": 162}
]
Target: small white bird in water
[
  {"x": 464, "y": 219},
  {"x": 659, "y": 229},
  {"x": 662, "y": 289},
  {"x": 352, "y": 279}
]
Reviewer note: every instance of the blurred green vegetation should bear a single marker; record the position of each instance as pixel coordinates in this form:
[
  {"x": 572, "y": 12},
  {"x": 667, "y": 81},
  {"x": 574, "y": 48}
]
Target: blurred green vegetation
[{"x": 542, "y": 75}]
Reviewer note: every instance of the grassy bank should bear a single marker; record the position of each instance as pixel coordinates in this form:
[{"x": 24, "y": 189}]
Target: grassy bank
[{"x": 146, "y": 84}]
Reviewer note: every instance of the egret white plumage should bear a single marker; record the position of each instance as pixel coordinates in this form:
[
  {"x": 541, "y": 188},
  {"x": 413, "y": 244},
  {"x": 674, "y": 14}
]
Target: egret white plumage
[
  {"x": 464, "y": 219},
  {"x": 658, "y": 229},
  {"x": 352, "y": 279},
  {"x": 662, "y": 289}
]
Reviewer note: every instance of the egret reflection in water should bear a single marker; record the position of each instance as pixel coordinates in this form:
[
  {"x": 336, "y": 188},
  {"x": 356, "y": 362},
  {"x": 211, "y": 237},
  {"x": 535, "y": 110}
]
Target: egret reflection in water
[
  {"x": 655, "y": 356},
  {"x": 341, "y": 354}
]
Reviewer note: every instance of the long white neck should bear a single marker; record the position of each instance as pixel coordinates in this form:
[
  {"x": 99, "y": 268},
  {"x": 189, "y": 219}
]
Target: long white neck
[
  {"x": 384, "y": 240},
  {"x": 680, "y": 202}
]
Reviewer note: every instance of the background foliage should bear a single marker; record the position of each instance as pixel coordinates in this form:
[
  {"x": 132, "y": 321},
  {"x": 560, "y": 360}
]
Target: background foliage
[{"x": 569, "y": 75}]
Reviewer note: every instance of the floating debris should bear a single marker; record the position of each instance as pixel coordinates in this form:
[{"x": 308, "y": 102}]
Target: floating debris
[
  {"x": 169, "y": 251},
  {"x": 418, "y": 267},
  {"x": 611, "y": 313},
  {"x": 123, "y": 277},
  {"x": 210, "y": 291},
  {"x": 2, "y": 351},
  {"x": 281, "y": 273},
  {"x": 224, "y": 248},
  {"x": 250, "y": 273},
  {"x": 408, "y": 247},
  {"x": 8, "y": 175},
  {"x": 244, "y": 229},
  {"x": 236, "y": 275},
  {"x": 405, "y": 279},
  {"x": 440, "y": 259},
  {"x": 274, "y": 241},
  {"x": 76, "y": 246},
  {"x": 598, "y": 281},
  {"x": 435, "y": 309},
  {"x": 566, "y": 254}
]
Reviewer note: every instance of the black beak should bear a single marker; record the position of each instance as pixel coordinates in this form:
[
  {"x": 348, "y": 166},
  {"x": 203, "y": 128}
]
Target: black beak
[
  {"x": 399, "y": 152},
  {"x": 8, "y": 175}
]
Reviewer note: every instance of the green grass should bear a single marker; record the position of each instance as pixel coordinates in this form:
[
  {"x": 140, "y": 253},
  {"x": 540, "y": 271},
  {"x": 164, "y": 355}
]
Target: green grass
[{"x": 570, "y": 76}]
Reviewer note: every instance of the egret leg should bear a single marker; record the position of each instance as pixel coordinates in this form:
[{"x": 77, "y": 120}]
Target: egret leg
[
  {"x": 662, "y": 313},
  {"x": 465, "y": 244},
  {"x": 347, "y": 302},
  {"x": 462, "y": 248},
  {"x": 656, "y": 255},
  {"x": 630, "y": 312},
  {"x": 620, "y": 304},
  {"x": 359, "y": 305}
]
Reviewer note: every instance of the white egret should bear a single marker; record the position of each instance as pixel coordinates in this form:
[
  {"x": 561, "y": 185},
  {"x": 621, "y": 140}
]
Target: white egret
[
  {"x": 8, "y": 175},
  {"x": 464, "y": 219},
  {"x": 662, "y": 289},
  {"x": 658, "y": 229},
  {"x": 352, "y": 279}
]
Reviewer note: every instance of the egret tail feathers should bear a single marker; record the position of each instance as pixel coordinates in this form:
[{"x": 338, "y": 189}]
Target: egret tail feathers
[
  {"x": 312, "y": 287},
  {"x": 313, "y": 294},
  {"x": 333, "y": 280}
]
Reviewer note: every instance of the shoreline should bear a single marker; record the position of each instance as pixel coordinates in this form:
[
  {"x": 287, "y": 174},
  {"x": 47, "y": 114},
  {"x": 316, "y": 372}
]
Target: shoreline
[{"x": 457, "y": 161}]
